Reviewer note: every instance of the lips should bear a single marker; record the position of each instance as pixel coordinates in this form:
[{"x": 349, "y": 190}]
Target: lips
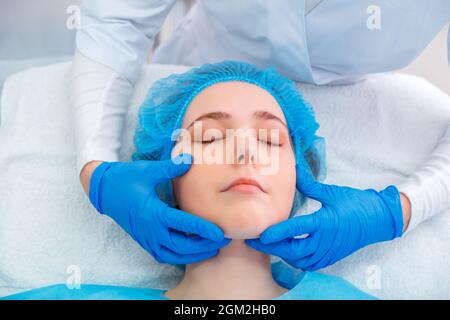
[{"x": 244, "y": 185}]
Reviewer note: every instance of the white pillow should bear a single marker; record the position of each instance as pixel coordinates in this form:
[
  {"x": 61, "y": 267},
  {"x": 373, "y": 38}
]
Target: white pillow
[
  {"x": 48, "y": 229},
  {"x": 377, "y": 131}
]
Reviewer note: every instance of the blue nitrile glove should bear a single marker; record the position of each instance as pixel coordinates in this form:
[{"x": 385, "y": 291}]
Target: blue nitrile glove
[
  {"x": 348, "y": 220},
  {"x": 125, "y": 191}
]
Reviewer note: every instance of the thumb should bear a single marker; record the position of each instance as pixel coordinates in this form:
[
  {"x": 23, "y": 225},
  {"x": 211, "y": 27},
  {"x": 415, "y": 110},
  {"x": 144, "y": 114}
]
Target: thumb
[
  {"x": 174, "y": 167},
  {"x": 309, "y": 187}
]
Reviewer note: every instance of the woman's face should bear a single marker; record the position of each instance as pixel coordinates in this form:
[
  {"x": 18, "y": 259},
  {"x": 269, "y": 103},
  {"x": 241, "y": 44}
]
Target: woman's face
[{"x": 242, "y": 179}]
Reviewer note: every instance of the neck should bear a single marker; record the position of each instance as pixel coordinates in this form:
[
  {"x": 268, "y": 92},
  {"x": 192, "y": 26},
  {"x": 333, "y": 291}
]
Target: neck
[{"x": 236, "y": 272}]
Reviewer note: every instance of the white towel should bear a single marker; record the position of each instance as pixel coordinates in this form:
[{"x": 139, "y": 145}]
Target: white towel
[{"x": 377, "y": 131}]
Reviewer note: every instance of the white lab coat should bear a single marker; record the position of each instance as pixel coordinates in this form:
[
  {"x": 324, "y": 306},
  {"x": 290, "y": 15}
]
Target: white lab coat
[
  {"x": 320, "y": 42},
  {"x": 317, "y": 41}
]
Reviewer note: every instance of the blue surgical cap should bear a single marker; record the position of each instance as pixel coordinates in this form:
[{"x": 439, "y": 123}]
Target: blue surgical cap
[{"x": 164, "y": 108}]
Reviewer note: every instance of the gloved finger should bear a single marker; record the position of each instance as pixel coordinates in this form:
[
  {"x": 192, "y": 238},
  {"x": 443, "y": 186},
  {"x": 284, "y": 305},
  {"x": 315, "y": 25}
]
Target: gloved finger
[
  {"x": 290, "y": 228},
  {"x": 168, "y": 256},
  {"x": 156, "y": 257},
  {"x": 299, "y": 263},
  {"x": 305, "y": 264},
  {"x": 322, "y": 263},
  {"x": 186, "y": 222},
  {"x": 312, "y": 188},
  {"x": 266, "y": 248},
  {"x": 306, "y": 247},
  {"x": 287, "y": 249},
  {"x": 323, "y": 249},
  {"x": 185, "y": 244},
  {"x": 332, "y": 256},
  {"x": 172, "y": 168}
]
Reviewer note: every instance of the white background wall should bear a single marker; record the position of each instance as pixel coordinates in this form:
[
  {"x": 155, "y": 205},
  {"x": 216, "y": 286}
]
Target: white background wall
[{"x": 432, "y": 64}]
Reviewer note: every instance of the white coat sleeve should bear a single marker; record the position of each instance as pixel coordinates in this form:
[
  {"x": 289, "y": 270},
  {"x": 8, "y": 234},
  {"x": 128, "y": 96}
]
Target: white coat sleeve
[
  {"x": 99, "y": 99},
  {"x": 112, "y": 44},
  {"x": 119, "y": 33},
  {"x": 428, "y": 188}
]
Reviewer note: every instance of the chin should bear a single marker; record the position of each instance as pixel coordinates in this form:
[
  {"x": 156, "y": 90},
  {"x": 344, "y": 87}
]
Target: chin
[
  {"x": 249, "y": 225},
  {"x": 243, "y": 234}
]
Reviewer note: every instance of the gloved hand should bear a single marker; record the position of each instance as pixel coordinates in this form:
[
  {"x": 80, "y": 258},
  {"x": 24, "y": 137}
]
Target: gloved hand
[
  {"x": 125, "y": 191},
  {"x": 348, "y": 220}
]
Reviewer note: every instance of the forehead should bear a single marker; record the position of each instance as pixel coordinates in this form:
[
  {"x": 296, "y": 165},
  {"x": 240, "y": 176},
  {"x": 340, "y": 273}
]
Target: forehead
[{"x": 238, "y": 98}]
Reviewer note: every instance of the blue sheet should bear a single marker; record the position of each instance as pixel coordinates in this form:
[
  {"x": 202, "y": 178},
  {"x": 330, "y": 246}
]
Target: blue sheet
[{"x": 302, "y": 286}]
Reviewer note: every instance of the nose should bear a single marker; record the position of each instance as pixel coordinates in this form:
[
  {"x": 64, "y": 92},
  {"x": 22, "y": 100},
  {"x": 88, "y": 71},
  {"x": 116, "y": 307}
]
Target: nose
[
  {"x": 244, "y": 158},
  {"x": 246, "y": 149}
]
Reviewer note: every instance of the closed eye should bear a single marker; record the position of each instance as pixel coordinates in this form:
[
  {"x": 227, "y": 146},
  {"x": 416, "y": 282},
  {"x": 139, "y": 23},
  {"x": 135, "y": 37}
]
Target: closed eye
[
  {"x": 211, "y": 140},
  {"x": 270, "y": 143}
]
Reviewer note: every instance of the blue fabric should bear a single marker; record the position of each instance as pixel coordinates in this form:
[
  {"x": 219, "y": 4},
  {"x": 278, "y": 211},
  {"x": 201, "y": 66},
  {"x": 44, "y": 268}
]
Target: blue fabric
[
  {"x": 302, "y": 285},
  {"x": 162, "y": 113}
]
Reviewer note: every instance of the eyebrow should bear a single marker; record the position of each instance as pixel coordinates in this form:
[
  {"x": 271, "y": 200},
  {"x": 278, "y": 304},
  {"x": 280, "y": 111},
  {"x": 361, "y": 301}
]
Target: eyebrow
[
  {"x": 265, "y": 115},
  {"x": 212, "y": 115}
]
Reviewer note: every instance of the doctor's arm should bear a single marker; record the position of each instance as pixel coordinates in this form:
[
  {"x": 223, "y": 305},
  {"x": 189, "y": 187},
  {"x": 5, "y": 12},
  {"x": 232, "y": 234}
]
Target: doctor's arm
[
  {"x": 428, "y": 188},
  {"x": 112, "y": 44}
]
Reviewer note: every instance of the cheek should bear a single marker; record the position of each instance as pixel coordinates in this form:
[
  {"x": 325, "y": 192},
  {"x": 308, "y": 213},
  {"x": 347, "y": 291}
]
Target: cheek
[
  {"x": 283, "y": 184},
  {"x": 195, "y": 190}
]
